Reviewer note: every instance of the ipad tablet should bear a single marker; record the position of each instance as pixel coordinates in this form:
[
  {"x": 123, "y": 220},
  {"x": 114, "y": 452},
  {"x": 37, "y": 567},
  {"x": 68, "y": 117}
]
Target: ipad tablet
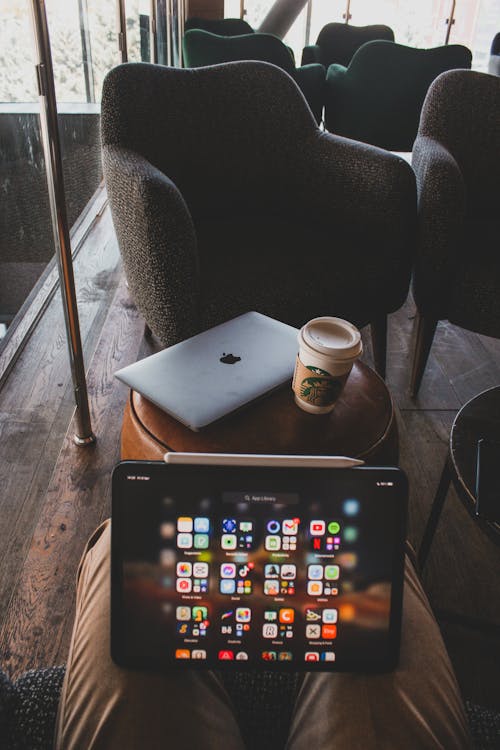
[{"x": 275, "y": 568}]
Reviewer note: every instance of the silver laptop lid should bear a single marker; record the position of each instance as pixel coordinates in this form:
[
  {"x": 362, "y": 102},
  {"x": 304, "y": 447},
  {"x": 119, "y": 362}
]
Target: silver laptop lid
[{"x": 218, "y": 371}]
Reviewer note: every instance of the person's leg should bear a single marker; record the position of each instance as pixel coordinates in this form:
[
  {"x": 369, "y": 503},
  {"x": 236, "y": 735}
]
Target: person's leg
[
  {"x": 104, "y": 707},
  {"x": 417, "y": 707}
]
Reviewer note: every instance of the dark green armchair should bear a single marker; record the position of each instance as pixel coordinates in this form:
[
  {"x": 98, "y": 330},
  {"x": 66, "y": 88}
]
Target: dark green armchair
[
  {"x": 201, "y": 48},
  {"x": 379, "y": 97},
  {"x": 221, "y": 26},
  {"x": 337, "y": 42}
]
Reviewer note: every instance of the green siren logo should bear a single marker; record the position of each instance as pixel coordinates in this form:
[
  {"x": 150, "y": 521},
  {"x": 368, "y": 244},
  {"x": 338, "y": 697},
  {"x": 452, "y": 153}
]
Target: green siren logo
[{"x": 320, "y": 389}]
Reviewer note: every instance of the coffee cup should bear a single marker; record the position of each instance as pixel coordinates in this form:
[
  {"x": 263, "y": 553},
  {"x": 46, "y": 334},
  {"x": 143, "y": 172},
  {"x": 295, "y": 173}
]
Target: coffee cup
[{"x": 328, "y": 348}]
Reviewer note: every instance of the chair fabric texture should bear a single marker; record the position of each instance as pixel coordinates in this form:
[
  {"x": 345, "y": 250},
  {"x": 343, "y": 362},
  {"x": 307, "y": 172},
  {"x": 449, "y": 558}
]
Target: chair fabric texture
[
  {"x": 456, "y": 159},
  {"x": 202, "y": 48},
  {"x": 337, "y": 43},
  {"x": 494, "y": 61},
  {"x": 226, "y": 197},
  {"x": 221, "y": 26},
  {"x": 379, "y": 97}
]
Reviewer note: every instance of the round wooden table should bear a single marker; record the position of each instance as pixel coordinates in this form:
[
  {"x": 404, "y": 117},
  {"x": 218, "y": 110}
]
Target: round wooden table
[{"x": 362, "y": 425}]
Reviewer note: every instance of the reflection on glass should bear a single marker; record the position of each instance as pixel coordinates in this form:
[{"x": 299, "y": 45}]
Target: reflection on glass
[{"x": 26, "y": 243}]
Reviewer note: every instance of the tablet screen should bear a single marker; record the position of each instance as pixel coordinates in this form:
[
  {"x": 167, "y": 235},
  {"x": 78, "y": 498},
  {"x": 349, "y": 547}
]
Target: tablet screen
[{"x": 273, "y": 568}]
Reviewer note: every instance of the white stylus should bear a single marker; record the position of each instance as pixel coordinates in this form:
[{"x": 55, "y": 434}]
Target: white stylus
[{"x": 251, "y": 459}]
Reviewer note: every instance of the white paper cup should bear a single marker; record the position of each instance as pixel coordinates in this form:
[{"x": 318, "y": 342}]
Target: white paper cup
[{"x": 328, "y": 348}]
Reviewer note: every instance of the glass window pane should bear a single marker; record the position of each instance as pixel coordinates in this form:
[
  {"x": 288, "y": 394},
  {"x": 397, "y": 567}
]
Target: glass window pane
[
  {"x": 476, "y": 23},
  {"x": 419, "y": 24},
  {"x": 138, "y": 37},
  {"x": 323, "y": 13}
]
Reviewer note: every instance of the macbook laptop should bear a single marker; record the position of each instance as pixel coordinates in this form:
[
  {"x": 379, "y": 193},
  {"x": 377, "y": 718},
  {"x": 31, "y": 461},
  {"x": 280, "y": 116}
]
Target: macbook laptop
[{"x": 203, "y": 378}]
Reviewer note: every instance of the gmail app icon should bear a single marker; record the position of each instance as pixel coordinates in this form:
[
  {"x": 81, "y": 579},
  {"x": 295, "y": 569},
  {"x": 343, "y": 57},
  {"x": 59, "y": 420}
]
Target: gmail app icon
[{"x": 291, "y": 526}]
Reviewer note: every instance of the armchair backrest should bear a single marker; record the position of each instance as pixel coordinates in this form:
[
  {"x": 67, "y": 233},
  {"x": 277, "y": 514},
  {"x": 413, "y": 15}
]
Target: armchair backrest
[
  {"x": 380, "y": 99},
  {"x": 495, "y": 45},
  {"x": 221, "y": 26},
  {"x": 338, "y": 42},
  {"x": 228, "y": 136},
  {"x": 462, "y": 112},
  {"x": 203, "y": 48}
]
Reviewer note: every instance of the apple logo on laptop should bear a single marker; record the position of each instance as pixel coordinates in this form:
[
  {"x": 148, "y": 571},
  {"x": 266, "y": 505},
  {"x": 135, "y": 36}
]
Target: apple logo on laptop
[{"x": 229, "y": 359}]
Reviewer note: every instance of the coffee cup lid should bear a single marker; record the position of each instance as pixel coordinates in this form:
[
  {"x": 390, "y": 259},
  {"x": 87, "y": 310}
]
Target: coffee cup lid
[{"x": 333, "y": 337}]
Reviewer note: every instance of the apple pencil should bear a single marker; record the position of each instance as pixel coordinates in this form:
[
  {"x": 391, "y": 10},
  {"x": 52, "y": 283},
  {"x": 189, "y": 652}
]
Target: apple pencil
[{"x": 251, "y": 459}]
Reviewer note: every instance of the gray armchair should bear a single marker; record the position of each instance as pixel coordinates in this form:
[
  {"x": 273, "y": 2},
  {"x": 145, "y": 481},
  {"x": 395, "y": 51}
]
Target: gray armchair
[
  {"x": 227, "y": 197},
  {"x": 456, "y": 158}
]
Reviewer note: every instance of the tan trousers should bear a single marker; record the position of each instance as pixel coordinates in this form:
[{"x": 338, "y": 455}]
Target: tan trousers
[{"x": 104, "y": 707}]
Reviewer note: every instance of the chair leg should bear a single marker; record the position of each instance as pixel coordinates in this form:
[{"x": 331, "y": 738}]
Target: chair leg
[
  {"x": 378, "y": 328},
  {"x": 426, "y": 328}
]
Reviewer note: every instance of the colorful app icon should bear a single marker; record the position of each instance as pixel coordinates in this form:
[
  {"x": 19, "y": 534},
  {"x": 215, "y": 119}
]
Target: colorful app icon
[
  {"x": 200, "y": 614},
  {"x": 269, "y": 630},
  {"x": 286, "y": 615},
  {"x": 332, "y": 572},
  {"x": 328, "y": 656},
  {"x": 313, "y": 615},
  {"x": 202, "y": 525},
  {"x": 272, "y": 543},
  {"x": 285, "y": 656},
  {"x": 269, "y": 655},
  {"x": 242, "y": 656},
  {"x": 329, "y": 632},
  {"x": 229, "y": 525},
  {"x": 183, "y": 613},
  {"x": 333, "y": 527},
  {"x": 291, "y": 526},
  {"x": 184, "y": 541},
  {"x": 243, "y": 614},
  {"x": 184, "y": 569},
  {"x": 185, "y": 524},
  {"x": 317, "y": 528},
  {"x": 228, "y": 570},
  {"x": 244, "y": 586},
  {"x": 246, "y": 526},
  {"x": 314, "y": 588},
  {"x": 200, "y": 570},
  {"x": 272, "y": 571},
  {"x": 288, "y": 572},
  {"x": 226, "y": 655},
  {"x": 227, "y": 586},
  {"x": 351, "y": 507},
  {"x": 246, "y": 569},
  {"x": 184, "y": 585},
  {"x": 182, "y": 653},
  {"x": 228, "y": 541},
  {"x": 201, "y": 541},
  {"x": 350, "y": 534},
  {"x": 313, "y": 631},
  {"x": 270, "y": 615},
  {"x": 167, "y": 530},
  {"x": 271, "y": 587},
  {"x": 330, "y": 616},
  {"x": 273, "y": 527},
  {"x": 198, "y": 653},
  {"x": 183, "y": 628},
  {"x": 311, "y": 656},
  {"x": 315, "y": 572},
  {"x": 289, "y": 543}
]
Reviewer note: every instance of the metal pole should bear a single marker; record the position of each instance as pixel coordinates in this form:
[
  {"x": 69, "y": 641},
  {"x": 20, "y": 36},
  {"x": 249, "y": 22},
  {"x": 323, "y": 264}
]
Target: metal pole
[
  {"x": 347, "y": 15},
  {"x": 450, "y": 21},
  {"x": 308, "y": 23},
  {"x": 53, "y": 165},
  {"x": 169, "y": 32},
  {"x": 153, "y": 46},
  {"x": 180, "y": 29},
  {"x": 122, "y": 30},
  {"x": 242, "y": 8},
  {"x": 88, "y": 72}
]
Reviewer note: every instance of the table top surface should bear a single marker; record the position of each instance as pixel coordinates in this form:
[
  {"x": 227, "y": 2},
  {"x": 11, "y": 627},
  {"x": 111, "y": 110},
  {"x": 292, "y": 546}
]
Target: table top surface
[
  {"x": 362, "y": 420},
  {"x": 479, "y": 418}
]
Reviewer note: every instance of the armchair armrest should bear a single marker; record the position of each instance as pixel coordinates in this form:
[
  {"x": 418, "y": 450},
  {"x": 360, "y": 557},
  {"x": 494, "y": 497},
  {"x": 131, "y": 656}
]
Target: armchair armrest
[
  {"x": 311, "y": 81},
  {"x": 441, "y": 216},
  {"x": 367, "y": 196},
  {"x": 157, "y": 241},
  {"x": 310, "y": 54}
]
